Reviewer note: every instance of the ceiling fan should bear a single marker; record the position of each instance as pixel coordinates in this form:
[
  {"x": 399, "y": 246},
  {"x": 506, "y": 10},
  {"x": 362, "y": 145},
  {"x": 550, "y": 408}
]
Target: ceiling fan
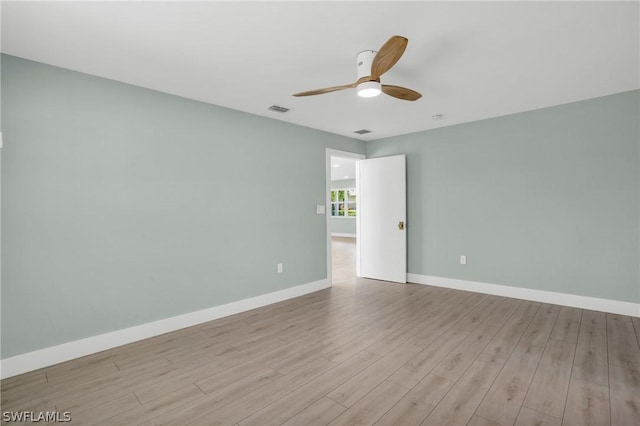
[{"x": 371, "y": 65}]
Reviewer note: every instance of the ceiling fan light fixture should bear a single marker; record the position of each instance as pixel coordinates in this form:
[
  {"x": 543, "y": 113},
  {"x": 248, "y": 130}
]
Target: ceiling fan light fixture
[
  {"x": 371, "y": 65},
  {"x": 369, "y": 89}
]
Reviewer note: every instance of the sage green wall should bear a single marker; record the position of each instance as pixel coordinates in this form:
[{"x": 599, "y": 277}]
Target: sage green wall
[
  {"x": 547, "y": 199},
  {"x": 123, "y": 205},
  {"x": 342, "y": 225}
]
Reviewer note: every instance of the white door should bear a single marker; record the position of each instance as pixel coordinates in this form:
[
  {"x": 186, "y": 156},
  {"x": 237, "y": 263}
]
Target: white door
[{"x": 382, "y": 235}]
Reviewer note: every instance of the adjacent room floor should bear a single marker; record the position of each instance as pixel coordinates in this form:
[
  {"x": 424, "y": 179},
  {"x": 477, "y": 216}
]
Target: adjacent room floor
[{"x": 361, "y": 352}]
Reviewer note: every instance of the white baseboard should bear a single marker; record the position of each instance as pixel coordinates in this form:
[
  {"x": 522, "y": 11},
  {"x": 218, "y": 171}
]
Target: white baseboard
[
  {"x": 55, "y": 354},
  {"x": 342, "y": 234},
  {"x": 575, "y": 301}
]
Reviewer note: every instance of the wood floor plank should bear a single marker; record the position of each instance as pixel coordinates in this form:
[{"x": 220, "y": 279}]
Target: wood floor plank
[
  {"x": 416, "y": 405},
  {"x": 529, "y": 417},
  {"x": 357, "y": 387},
  {"x": 567, "y": 325},
  {"x": 157, "y": 344},
  {"x": 449, "y": 335},
  {"x": 480, "y": 421},
  {"x": 143, "y": 362},
  {"x": 14, "y": 391},
  {"x": 373, "y": 406},
  {"x": 183, "y": 358},
  {"x": 159, "y": 380},
  {"x": 503, "y": 312},
  {"x": 154, "y": 408},
  {"x": 296, "y": 360},
  {"x": 360, "y": 319},
  {"x": 217, "y": 329},
  {"x": 299, "y": 330},
  {"x": 510, "y": 334},
  {"x": 226, "y": 384},
  {"x": 587, "y": 404},
  {"x": 591, "y": 359},
  {"x": 257, "y": 341},
  {"x": 538, "y": 332},
  {"x": 430, "y": 311},
  {"x": 625, "y": 403},
  {"x": 155, "y": 387},
  {"x": 216, "y": 368},
  {"x": 622, "y": 345},
  {"x": 190, "y": 350},
  {"x": 636, "y": 327},
  {"x": 345, "y": 343},
  {"x": 84, "y": 398},
  {"x": 460, "y": 404},
  {"x": 29, "y": 407},
  {"x": 64, "y": 394},
  {"x": 548, "y": 391},
  {"x": 25, "y": 379},
  {"x": 85, "y": 372},
  {"x": 218, "y": 397},
  {"x": 338, "y": 347},
  {"x": 90, "y": 362},
  {"x": 321, "y": 412},
  {"x": 247, "y": 405},
  {"x": 105, "y": 410},
  {"x": 504, "y": 399},
  {"x": 293, "y": 403},
  {"x": 457, "y": 362},
  {"x": 359, "y": 343}
]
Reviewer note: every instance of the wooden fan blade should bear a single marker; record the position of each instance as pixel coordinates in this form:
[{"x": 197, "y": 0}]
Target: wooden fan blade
[
  {"x": 401, "y": 92},
  {"x": 388, "y": 55},
  {"x": 325, "y": 90}
]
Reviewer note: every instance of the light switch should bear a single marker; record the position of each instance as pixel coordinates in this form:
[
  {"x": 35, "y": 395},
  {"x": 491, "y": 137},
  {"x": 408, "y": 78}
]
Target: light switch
[{"x": 319, "y": 209}]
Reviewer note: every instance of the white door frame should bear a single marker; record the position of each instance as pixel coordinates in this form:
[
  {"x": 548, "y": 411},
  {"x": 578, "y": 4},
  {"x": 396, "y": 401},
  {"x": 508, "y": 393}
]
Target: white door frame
[{"x": 327, "y": 192}]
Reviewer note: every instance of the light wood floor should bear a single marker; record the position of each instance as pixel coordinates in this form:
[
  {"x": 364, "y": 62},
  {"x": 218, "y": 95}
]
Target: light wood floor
[{"x": 362, "y": 352}]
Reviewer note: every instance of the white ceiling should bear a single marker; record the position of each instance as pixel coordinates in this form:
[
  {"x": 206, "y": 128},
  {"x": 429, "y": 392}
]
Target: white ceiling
[
  {"x": 343, "y": 168},
  {"x": 470, "y": 60}
]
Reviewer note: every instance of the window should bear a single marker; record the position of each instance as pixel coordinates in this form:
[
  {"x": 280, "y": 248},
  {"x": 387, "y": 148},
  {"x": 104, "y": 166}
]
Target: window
[{"x": 343, "y": 202}]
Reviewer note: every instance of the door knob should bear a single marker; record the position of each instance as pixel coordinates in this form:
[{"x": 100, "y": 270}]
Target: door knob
[{"x": 401, "y": 225}]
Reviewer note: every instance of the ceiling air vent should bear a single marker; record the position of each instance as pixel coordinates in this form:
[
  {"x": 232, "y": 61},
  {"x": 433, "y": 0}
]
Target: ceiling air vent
[
  {"x": 279, "y": 109},
  {"x": 362, "y": 131}
]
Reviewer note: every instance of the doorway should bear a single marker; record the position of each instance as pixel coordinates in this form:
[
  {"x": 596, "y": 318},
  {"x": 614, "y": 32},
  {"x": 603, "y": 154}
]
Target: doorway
[{"x": 342, "y": 215}]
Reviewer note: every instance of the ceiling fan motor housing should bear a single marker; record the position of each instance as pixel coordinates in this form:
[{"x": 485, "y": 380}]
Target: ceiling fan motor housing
[{"x": 364, "y": 60}]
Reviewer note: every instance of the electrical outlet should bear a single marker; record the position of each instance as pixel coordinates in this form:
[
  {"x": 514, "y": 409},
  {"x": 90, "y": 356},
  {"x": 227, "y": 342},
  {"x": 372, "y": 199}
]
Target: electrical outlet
[
  {"x": 279, "y": 268},
  {"x": 463, "y": 260}
]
